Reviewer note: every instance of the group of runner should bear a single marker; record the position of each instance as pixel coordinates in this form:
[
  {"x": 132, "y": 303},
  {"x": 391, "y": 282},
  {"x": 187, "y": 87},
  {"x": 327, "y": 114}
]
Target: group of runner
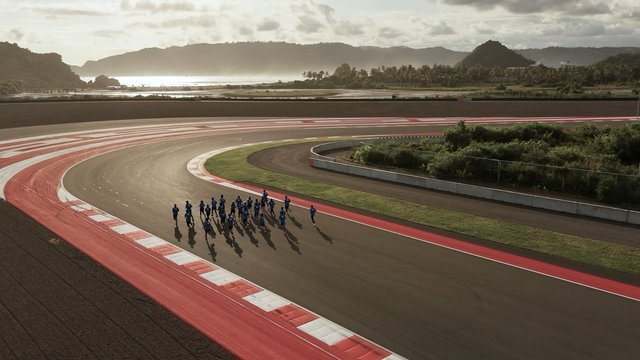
[{"x": 217, "y": 208}]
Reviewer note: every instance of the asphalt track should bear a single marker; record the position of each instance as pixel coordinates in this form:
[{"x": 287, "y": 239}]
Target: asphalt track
[{"x": 416, "y": 302}]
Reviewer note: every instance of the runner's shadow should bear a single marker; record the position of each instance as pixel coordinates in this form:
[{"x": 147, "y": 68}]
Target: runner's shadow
[
  {"x": 293, "y": 242},
  {"x": 239, "y": 229},
  {"x": 267, "y": 237},
  {"x": 212, "y": 250},
  {"x": 176, "y": 233},
  {"x": 192, "y": 237},
  {"x": 295, "y": 222},
  {"x": 237, "y": 248},
  {"x": 218, "y": 226},
  {"x": 324, "y": 236},
  {"x": 252, "y": 238}
]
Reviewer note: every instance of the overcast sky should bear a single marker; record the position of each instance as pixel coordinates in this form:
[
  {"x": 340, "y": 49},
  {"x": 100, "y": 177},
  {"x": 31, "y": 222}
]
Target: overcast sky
[{"x": 94, "y": 29}]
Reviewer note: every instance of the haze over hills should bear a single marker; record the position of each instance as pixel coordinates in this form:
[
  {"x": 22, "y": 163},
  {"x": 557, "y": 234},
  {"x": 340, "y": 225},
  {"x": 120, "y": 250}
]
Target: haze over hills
[{"x": 279, "y": 58}]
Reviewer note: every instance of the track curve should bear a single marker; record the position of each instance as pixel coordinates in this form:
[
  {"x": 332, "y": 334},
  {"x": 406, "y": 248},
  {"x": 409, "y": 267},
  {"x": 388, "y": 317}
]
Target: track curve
[{"x": 402, "y": 333}]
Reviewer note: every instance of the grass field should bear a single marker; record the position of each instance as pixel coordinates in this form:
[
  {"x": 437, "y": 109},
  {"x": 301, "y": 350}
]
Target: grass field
[{"x": 232, "y": 165}]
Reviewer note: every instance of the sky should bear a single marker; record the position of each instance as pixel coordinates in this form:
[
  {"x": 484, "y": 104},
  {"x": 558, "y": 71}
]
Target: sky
[{"x": 95, "y": 29}]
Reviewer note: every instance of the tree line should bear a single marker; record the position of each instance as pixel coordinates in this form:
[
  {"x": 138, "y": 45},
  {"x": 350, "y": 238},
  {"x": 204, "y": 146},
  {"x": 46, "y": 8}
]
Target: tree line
[
  {"x": 448, "y": 76},
  {"x": 591, "y": 161}
]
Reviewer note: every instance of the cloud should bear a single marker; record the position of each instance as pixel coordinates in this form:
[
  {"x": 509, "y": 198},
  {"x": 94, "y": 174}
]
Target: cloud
[
  {"x": 16, "y": 34},
  {"x": 107, "y": 33},
  {"x": 51, "y": 11},
  {"x": 569, "y": 7},
  {"x": 583, "y": 29},
  {"x": 345, "y": 27},
  {"x": 482, "y": 28},
  {"x": 328, "y": 12},
  {"x": 389, "y": 33},
  {"x": 308, "y": 25},
  {"x": 152, "y": 7},
  {"x": 245, "y": 31},
  {"x": 268, "y": 25},
  {"x": 204, "y": 21},
  {"x": 619, "y": 29},
  {"x": 440, "y": 28}
]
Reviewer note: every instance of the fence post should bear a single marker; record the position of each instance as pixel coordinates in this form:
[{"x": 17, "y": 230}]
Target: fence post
[{"x": 499, "y": 162}]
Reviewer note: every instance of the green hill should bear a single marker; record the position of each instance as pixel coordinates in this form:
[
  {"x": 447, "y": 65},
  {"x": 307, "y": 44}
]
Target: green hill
[
  {"x": 37, "y": 71},
  {"x": 631, "y": 59},
  {"x": 492, "y": 54}
]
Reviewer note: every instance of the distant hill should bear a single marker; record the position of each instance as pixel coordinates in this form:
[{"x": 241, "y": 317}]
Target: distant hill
[
  {"x": 632, "y": 59},
  {"x": 261, "y": 58},
  {"x": 492, "y": 54},
  {"x": 553, "y": 56},
  {"x": 36, "y": 70}
]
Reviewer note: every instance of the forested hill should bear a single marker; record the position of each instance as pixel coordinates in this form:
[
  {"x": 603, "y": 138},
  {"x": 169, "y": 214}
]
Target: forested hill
[
  {"x": 264, "y": 58},
  {"x": 36, "y": 70},
  {"x": 492, "y": 54},
  {"x": 631, "y": 59},
  {"x": 553, "y": 56}
]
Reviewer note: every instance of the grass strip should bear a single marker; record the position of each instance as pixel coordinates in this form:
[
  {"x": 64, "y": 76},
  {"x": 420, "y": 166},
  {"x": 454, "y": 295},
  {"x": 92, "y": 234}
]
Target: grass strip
[{"x": 232, "y": 165}]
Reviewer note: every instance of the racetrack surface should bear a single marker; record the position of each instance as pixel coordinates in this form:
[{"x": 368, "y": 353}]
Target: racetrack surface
[{"x": 543, "y": 314}]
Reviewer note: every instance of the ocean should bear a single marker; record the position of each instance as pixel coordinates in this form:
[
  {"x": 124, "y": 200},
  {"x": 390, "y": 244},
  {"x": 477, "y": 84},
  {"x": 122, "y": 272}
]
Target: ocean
[{"x": 195, "y": 81}]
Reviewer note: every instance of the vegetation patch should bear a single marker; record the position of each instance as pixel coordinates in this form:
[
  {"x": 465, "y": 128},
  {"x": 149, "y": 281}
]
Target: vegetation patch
[
  {"x": 232, "y": 165},
  {"x": 590, "y": 161}
]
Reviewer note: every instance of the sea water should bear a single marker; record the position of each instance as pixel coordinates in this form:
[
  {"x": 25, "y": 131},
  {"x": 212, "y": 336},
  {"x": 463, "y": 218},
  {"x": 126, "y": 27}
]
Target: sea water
[{"x": 196, "y": 81}]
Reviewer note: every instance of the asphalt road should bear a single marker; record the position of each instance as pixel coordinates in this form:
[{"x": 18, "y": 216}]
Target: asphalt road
[
  {"x": 473, "y": 311},
  {"x": 419, "y": 300}
]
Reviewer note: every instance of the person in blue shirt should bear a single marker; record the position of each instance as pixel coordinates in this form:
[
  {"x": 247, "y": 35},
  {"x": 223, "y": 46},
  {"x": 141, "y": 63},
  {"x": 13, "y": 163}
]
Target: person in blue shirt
[
  {"x": 207, "y": 226},
  {"x": 271, "y": 205},
  {"x": 238, "y": 202},
  {"x": 188, "y": 218},
  {"x": 286, "y": 204},
  {"x": 230, "y": 220},
  {"x": 249, "y": 202},
  {"x": 265, "y": 198},
  {"x": 282, "y": 218},
  {"x": 201, "y": 205},
  {"x": 222, "y": 201},
  {"x": 214, "y": 206},
  {"x": 261, "y": 225},
  {"x": 312, "y": 211},
  {"x": 256, "y": 209},
  {"x": 175, "y": 212},
  {"x": 187, "y": 207},
  {"x": 207, "y": 210},
  {"x": 245, "y": 216},
  {"x": 233, "y": 209},
  {"x": 223, "y": 217}
]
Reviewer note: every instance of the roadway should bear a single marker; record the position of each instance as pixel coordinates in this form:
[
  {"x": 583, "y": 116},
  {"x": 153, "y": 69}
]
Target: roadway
[
  {"x": 419, "y": 300},
  {"x": 416, "y": 299}
]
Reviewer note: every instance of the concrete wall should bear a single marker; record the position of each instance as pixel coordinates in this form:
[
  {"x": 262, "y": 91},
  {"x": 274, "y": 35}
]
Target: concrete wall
[{"x": 540, "y": 202}]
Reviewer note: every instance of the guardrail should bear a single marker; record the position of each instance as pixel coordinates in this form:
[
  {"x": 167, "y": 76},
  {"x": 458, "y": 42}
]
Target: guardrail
[{"x": 540, "y": 202}]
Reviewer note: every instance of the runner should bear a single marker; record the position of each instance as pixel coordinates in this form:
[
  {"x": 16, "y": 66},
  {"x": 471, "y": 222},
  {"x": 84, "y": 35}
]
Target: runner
[
  {"x": 283, "y": 217},
  {"x": 207, "y": 226},
  {"x": 286, "y": 204},
  {"x": 223, "y": 217},
  {"x": 187, "y": 207},
  {"x": 265, "y": 198},
  {"x": 245, "y": 216},
  {"x": 230, "y": 221},
  {"x": 233, "y": 209},
  {"x": 222, "y": 201},
  {"x": 214, "y": 206},
  {"x": 282, "y": 211},
  {"x": 312, "y": 211},
  {"x": 207, "y": 210},
  {"x": 261, "y": 225},
  {"x": 238, "y": 203},
  {"x": 272, "y": 204},
  {"x": 188, "y": 218},
  {"x": 175, "y": 211},
  {"x": 256, "y": 209},
  {"x": 201, "y": 206},
  {"x": 249, "y": 201}
]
